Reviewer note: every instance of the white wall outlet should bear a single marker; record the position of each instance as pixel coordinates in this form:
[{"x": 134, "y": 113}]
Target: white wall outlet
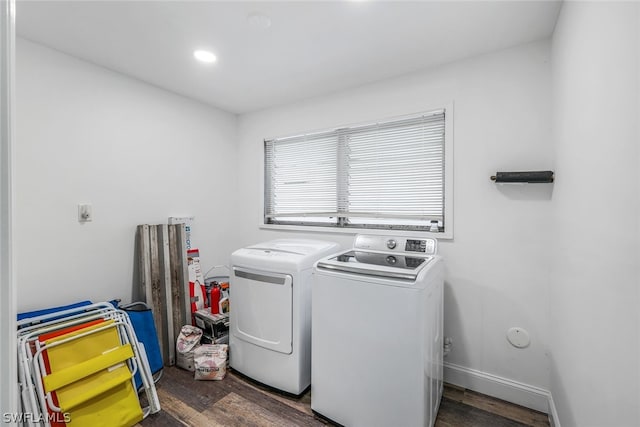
[{"x": 85, "y": 212}]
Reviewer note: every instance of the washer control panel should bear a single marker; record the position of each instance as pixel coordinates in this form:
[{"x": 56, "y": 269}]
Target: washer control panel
[
  {"x": 396, "y": 244},
  {"x": 415, "y": 246}
]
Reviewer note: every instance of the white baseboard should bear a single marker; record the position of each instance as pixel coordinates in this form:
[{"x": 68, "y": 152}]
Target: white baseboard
[{"x": 503, "y": 388}]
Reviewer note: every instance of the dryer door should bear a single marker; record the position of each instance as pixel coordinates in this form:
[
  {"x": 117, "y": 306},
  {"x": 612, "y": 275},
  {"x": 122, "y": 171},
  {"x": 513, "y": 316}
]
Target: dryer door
[{"x": 261, "y": 305}]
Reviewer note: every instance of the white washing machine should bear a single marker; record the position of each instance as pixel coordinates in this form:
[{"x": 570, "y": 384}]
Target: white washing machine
[
  {"x": 270, "y": 316},
  {"x": 377, "y": 333}
]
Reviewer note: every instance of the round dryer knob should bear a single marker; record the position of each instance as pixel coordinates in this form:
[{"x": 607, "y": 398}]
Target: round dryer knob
[{"x": 391, "y": 244}]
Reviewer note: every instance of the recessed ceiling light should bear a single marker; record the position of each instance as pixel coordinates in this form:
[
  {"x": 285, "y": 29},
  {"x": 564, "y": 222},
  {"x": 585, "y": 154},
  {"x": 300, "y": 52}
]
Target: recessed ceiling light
[
  {"x": 204, "y": 56},
  {"x": 259, "y": 20}
]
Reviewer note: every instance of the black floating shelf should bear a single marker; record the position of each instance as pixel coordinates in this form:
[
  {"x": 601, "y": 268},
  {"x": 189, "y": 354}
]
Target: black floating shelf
[{"x": 530, "y": 177}]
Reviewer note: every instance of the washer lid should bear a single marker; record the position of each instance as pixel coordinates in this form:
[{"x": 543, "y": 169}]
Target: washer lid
[{"x": 389, "y": 265}]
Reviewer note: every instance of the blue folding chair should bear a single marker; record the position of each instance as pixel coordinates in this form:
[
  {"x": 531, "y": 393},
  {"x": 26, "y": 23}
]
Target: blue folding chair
[{"x": 141, "y": 318}]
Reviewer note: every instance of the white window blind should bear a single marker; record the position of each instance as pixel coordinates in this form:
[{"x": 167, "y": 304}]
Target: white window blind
[
  {"x": 382, "y": 175},
  {"x": 301, "y": 175}
]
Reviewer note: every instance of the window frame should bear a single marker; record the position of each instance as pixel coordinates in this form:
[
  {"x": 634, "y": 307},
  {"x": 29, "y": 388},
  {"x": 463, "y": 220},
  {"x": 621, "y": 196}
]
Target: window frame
[{"x": 380, "y": 230}]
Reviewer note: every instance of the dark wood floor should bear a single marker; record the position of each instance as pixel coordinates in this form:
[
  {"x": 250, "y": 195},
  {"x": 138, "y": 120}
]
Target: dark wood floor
[{"x": 237, "y": 401}]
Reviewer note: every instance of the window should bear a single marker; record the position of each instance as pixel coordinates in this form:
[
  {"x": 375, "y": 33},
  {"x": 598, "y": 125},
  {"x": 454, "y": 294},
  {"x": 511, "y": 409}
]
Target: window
[{"x": 386, "y": 175}]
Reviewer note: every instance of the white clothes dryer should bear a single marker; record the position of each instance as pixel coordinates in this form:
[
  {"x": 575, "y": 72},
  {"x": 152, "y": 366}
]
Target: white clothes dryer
[
  {"x": 377, "y": 333},
  {"x": 270, "y": 315}
]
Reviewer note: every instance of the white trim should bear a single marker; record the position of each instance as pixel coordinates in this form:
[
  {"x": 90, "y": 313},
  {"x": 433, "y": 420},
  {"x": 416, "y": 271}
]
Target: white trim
[
  {"x": 448, "y": 172},
  {"x": 8, "y": 362},
  {"x": 353, "y": 231},
  {"x": 554, "y": 419},
  {"x": 502, "y": 388}
]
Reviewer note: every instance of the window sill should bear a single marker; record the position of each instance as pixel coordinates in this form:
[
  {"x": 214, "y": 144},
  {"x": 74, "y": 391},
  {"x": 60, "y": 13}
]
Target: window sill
[{"x": 353, "y": 231}]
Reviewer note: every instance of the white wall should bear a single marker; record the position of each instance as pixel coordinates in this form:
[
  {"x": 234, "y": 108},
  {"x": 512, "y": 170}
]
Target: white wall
[
  {"x": 594, "y": 350},
  {"x": 497, "y": 273},
  {"x": 137, "y": 153}
]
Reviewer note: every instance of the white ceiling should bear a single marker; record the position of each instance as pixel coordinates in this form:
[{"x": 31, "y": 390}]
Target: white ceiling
[{"x": 312, "y": 47}]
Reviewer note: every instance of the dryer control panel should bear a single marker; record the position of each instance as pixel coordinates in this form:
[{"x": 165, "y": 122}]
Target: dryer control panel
[{"x": 396, "y": 244}]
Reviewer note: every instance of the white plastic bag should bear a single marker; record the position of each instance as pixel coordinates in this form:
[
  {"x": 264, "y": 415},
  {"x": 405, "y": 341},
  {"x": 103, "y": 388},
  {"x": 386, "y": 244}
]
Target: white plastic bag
[
  {"x": 188, "y": 341},
  {"x": 211, "y": 361}
]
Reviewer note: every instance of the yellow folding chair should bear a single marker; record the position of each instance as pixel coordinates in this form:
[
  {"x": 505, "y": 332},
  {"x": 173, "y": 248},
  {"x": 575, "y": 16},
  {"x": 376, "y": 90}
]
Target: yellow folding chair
[{"x": 91, "y": 376}]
